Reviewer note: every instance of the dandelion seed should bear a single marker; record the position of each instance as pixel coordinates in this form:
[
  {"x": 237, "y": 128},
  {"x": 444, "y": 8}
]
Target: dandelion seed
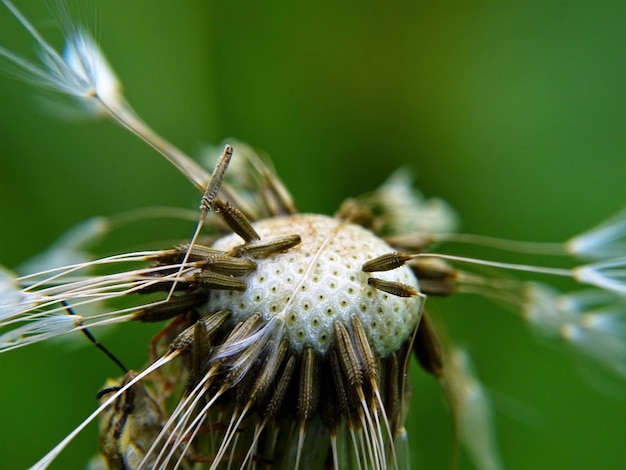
[
  {"x": 289, "y": 334},
  {"x": 82, "y": 72}
]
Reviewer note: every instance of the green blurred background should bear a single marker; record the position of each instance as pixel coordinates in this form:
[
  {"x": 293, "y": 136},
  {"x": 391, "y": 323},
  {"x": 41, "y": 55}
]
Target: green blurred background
[{"x": 514, "y": 113}]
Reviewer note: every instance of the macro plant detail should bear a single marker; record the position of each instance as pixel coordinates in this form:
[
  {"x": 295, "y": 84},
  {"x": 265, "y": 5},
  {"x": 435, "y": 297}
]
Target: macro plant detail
[{"x": 289, "y": 335}]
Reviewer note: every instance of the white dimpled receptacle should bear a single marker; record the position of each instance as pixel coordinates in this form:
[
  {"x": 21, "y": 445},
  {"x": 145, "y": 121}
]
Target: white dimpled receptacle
[{"x": 320, "y": 282}]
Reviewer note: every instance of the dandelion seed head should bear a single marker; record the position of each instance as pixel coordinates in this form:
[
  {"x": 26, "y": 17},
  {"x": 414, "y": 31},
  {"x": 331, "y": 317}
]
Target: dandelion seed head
[
  {"x": 289, "y": 340},
  {"x": 320, "y": 282}
]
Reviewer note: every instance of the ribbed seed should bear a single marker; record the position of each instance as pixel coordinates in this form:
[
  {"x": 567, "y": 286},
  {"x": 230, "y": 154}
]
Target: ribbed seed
[
  {"x": 214, "y": 280},
  {"x": 347, "y": 356},
  {"x": 175, "y": 306},
  {"x": 236, "y": 220},
  {"x": 212, "y": 323},
  {"x": 427, "y": 347},
  {"x": 393, "y": 392},
  {"x": 265, "y": 248},
  {"x": 268, "y": 372},
  {"x": 237, "y": 368},
  {"x": 369, "y": 364},
  {"x": 243, "y": 329},
  {"x": 330, "y": 409},
  {"x": 199, "y": 353},
  {"x": 387, "y": 262},
  {"x": 176, "y": 255},
  {"x": 436, "y": 276},
  {"x": 213, "y": 186},
  {"x": 394, "y": 288},
  {"x": 309, "y": 385},
  {"x": 229, "y": 265},
  {"x": 281, "y": 388},
  {"x": 335, "y": 368}
]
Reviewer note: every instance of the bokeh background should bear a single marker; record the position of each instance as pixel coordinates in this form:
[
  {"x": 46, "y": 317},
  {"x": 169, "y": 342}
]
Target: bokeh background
[{"x": 514, "y": 113}]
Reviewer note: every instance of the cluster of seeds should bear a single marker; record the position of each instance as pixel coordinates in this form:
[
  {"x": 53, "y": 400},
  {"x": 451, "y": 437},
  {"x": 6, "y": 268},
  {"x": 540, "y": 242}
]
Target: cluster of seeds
[{"x": 297, "y": 316}]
